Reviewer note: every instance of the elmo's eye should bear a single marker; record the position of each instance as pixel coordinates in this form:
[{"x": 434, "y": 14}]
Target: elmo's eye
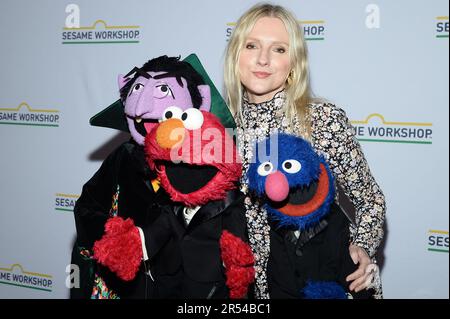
[
  {"x": 192, "y": 119},
  {"x": 171, "y": 112},
  {"x": 291, "y": 166},
  {"x": 265, "y": 168}
]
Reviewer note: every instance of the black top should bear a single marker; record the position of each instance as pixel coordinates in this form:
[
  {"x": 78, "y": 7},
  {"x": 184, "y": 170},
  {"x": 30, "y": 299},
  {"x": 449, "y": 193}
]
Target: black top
[{"x": 318, "y": 254}]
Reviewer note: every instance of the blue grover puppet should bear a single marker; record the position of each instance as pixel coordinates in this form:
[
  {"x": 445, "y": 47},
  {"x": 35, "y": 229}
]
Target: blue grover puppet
[{"x": 309, "y": 233}]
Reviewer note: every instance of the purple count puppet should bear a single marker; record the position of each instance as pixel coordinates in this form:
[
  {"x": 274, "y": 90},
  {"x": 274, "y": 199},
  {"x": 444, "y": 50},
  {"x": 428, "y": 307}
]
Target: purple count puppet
[
  {"x": 157, "y": 86},
  {"x": 126, "y": 187}
]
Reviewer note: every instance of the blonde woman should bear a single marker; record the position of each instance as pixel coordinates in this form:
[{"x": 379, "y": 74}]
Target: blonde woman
[{"x": 267, "y": 86}]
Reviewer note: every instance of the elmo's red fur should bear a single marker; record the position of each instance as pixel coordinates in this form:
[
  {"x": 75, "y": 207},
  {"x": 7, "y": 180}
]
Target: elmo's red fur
[{"x": 120, "y": 248}]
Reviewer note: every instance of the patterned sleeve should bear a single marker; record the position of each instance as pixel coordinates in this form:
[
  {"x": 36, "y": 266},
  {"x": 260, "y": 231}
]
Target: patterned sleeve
[{"x": 334, "y": 137}]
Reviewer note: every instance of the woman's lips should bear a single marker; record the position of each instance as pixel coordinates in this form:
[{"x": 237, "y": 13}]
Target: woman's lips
[{"x": 261, "y": 75}]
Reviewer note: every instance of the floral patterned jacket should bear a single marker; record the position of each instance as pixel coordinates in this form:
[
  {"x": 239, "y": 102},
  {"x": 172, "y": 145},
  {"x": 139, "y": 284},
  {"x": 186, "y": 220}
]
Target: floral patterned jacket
[{"x": 333, "y": 136}]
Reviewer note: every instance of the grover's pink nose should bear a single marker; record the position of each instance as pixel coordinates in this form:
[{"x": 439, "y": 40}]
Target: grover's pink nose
[{"x": 277, "y": 186}]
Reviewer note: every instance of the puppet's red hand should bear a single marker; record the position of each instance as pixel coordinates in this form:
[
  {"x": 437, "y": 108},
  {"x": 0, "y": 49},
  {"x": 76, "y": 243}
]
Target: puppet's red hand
[
  {"x": 238, "y": 259},
  {"x": 120, "y": 248}
]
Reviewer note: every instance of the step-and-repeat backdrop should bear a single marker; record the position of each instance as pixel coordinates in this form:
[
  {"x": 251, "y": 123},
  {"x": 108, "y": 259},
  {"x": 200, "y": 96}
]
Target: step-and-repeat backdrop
[{"x": 384, "y": 62}]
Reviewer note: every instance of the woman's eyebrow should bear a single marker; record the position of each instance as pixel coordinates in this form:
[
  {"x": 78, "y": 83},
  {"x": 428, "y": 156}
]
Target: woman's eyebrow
[{"x": 272, "y": 42}]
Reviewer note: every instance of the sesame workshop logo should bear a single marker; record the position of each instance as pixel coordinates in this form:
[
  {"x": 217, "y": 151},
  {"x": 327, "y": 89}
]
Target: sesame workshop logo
[
  {"x": 99, "y": 33},
  {"x": 438, "y": 241},
  {"x": 17, "y": 276},
  {"x": 376, "y": 129},
  {"x": 442, "y": 27},
  {"x": 313, "y": 30},
  {"x": 65, "y": 202},
  {"x": 24, "y": 114}
]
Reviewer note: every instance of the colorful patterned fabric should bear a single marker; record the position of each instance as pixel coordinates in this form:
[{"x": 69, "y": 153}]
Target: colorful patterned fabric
[
  {"x": 101, "y": 291},
  {"x": 85, "y": 253},
  {"x": 115, "y": 203}
]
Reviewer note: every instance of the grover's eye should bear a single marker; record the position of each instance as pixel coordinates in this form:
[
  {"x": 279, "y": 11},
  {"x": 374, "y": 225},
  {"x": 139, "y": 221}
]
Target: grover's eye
[
  {"x": 171, "y": 112},
  {"x": 291, "y": 166},
  {"x": 161, "y": 91},
  {"x": 192, "y": 119},
  {"x": 265, "y": 168}
]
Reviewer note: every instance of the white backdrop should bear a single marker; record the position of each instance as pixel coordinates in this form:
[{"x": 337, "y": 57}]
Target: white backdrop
[{"x": 384, "y": 62}]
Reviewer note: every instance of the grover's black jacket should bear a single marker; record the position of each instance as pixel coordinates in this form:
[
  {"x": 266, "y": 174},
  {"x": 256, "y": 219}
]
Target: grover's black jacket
[{"x": 318, "y": 254}]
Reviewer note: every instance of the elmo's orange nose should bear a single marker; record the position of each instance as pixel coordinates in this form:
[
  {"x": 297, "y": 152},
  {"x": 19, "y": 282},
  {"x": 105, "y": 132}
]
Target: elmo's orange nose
[{"x": 170, "y": 133}]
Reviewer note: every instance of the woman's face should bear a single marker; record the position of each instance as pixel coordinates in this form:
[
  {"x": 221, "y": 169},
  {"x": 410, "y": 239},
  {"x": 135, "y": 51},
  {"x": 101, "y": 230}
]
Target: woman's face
[{"x": 264, "y": 63}]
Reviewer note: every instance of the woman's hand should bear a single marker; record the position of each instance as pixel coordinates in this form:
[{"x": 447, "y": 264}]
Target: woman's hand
[{"x": 363, "y": 276}]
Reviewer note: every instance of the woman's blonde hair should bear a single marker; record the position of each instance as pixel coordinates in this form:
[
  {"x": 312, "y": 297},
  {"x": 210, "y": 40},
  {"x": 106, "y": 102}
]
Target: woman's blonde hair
[{"x": 298, "y": 91}]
